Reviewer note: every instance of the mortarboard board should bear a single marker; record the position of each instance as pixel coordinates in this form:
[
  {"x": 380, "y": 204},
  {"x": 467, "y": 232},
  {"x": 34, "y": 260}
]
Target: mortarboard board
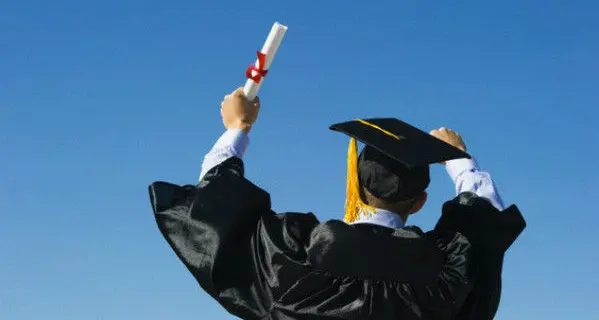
[{"x": 393, "y": 165}]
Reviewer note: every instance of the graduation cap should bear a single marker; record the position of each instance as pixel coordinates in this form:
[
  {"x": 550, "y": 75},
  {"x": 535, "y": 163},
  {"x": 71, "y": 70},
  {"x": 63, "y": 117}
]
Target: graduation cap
[{"x": 394, "y": 164}]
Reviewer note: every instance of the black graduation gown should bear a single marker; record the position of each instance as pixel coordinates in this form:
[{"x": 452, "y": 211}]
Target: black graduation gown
[{"x": 262, "y": 265}]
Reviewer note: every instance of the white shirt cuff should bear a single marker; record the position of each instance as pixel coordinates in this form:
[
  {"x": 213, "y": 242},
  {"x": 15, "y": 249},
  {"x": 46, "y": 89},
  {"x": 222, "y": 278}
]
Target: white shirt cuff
[{"x": 458, "y": 166}]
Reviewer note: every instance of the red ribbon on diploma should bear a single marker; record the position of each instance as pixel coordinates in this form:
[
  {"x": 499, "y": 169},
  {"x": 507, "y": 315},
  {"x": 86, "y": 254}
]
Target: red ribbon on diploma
[{"x": 257, "y": 73}]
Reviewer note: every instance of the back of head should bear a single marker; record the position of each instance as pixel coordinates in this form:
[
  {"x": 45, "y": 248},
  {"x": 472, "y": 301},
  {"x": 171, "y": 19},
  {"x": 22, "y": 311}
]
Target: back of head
[{"x": 388, "y": 179}]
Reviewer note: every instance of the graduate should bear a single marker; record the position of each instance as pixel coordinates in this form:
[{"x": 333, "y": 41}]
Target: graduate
[{"x": 259, "y": 264}]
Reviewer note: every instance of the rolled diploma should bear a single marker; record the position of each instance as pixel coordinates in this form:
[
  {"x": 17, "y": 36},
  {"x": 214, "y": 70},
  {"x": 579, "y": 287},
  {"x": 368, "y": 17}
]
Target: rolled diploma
[{"x": 269, "y": 49}]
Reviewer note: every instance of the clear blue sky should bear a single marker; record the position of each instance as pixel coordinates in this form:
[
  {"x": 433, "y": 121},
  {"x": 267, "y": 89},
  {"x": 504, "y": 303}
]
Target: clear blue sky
[{"x": 98, "y": 99}]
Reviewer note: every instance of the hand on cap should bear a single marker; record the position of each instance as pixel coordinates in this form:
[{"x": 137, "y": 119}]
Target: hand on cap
[
  {"x": 238, "y": 112},
  {"x": 449, "y": 136}
]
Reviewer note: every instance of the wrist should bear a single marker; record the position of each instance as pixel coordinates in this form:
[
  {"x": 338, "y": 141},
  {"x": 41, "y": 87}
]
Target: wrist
[
  {"x": 247, "y": 128},
  {"x": 240, "y": 125}
]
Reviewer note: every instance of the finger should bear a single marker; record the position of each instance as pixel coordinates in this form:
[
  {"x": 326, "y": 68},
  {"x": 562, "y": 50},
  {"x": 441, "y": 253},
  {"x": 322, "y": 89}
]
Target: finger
[{"x": 238, "y": 92}]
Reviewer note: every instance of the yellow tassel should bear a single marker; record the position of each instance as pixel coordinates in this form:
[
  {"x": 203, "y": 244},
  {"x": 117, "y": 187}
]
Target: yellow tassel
[{"x": 353, "y": 202}]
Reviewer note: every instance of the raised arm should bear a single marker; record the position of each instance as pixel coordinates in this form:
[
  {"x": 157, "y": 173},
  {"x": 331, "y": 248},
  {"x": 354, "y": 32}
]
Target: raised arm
[
  {"x": 479, "y": 214},
  {"x": 223, "y": 229},
  {"x": 238, "y": 116},
  {"x": 233, "y": 143},
  {"x": 466, "y": 174}
]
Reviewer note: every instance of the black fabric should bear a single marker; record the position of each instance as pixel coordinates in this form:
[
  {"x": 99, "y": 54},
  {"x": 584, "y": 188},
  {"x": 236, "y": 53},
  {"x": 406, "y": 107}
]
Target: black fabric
[
  {"x": 491, "y": 234},
  {"x": 388, "y": 179},
  {"x": 262, "y": 265},
  {"x": 413, "y": 148}
]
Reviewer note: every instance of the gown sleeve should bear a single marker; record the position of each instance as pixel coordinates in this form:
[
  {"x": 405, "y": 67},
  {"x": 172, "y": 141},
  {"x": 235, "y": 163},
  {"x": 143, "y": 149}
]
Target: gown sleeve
[
  {"x": 491, "y": 232},
  {"x": 220, "y": 228}
]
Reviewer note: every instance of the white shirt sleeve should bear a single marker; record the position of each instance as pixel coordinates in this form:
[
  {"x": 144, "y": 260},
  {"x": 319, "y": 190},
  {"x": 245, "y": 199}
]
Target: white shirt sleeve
[
  {"x": 233, "y": 143},
  {"x": 466, "y": 176}
]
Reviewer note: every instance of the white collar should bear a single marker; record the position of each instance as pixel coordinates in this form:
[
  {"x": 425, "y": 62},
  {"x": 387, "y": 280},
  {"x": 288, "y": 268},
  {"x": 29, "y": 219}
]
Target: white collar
[{"x": 382, "y": 218}]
